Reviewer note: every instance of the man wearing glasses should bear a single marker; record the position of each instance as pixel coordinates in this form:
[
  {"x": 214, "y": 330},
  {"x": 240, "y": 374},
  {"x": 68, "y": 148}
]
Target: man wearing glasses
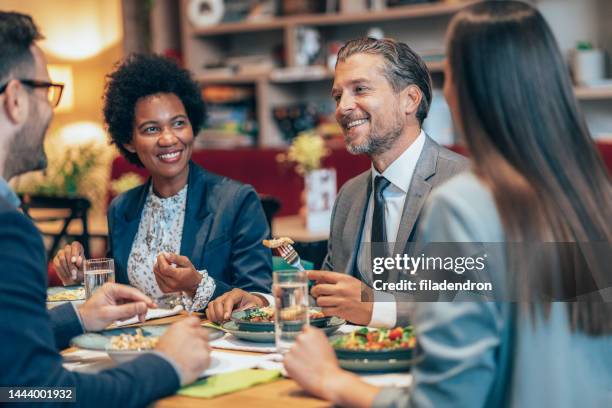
[
  {"x": 31, "y": 335},
  {"x": 42, "y": 96},
  {"x": 54, "y": 91}
]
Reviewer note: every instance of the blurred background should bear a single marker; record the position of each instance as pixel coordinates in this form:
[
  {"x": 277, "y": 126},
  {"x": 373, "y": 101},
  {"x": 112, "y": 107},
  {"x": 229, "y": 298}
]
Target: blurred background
[{"x": 266, "y": 70}]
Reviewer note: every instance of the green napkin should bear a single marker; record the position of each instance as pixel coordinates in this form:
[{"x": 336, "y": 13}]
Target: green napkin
[{"x": 229, "y": 382}]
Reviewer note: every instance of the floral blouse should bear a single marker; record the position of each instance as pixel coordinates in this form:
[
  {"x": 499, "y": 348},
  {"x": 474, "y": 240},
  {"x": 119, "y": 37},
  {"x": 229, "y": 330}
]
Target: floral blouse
[{"x": 161, "y": 230}]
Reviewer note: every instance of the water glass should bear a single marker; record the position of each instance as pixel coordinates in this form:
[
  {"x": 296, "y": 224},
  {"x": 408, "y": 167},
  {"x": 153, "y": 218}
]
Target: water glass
[
  {"x": 290, "y": 290},
  {"x": 97, "y": 272}
]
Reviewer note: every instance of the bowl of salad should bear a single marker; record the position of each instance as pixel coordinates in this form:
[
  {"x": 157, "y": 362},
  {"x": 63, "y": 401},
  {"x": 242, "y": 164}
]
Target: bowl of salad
[
  {"x": 261, "y": 319},
  {"x": 376, "y": 349}
]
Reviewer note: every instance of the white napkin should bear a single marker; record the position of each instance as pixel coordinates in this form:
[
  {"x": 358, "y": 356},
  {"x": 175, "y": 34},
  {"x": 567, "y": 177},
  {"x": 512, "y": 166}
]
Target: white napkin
[
  {"x": 348, "y": 328},
  {"x": 87, "y": 361},
  {"x": 83, "y": 355},
  {"x": 224, "y": 362},
  {"x": 388, "y": 380},
  {"x": 275, "y": 362},
  {"x": 151, "y": 314},
  {"x": 230, "y": 342}
]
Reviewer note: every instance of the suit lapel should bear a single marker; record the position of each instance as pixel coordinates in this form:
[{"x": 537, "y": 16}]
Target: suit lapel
[
  {"x": 198, "y": 219},
  {"x": 124, "y": 231},
  {"x": 417, "y": 194},
  {"x": 354, "y": 226}
]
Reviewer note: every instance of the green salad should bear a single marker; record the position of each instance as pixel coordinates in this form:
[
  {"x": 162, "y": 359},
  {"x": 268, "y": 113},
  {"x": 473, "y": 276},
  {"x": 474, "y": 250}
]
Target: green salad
[{"x": 365, "y": 339}]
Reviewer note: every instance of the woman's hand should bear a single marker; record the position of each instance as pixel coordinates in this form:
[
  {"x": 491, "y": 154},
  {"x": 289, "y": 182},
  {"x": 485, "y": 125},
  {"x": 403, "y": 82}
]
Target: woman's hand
[
  {"x": 69, "y": 264},
  {"x": 312, "y": 363},
  {"x": 176, "y": 273}
]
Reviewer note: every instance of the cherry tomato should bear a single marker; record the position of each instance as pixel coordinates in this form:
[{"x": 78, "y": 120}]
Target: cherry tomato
[{"x": 396, "y": 333}]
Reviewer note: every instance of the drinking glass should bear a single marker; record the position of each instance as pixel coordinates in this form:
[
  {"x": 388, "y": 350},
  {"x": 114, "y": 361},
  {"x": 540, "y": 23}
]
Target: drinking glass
[
  {"x": 96, "y": 273},
  {"x": 290, "y": 290}
]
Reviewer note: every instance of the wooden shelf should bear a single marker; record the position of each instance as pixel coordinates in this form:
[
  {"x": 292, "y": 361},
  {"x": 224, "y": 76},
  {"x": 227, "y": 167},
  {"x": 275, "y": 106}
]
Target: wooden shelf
[
  {"x": 587, "y": 93},
  {"x": 274, "y": 77},
  {"x": 279, "y": 23},
  {"x": 391, "y": 13},
  {"x": 209, "y": 79}
]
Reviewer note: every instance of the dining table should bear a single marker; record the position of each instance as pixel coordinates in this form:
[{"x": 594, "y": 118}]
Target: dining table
[{"x": 283, "y": 392}]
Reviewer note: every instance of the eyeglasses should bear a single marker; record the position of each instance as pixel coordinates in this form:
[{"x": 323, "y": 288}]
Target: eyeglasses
[{"x": 54, "y": 91}]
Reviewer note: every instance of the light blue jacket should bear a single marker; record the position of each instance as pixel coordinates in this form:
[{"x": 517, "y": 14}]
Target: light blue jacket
[{"x": 485, "y": 354}]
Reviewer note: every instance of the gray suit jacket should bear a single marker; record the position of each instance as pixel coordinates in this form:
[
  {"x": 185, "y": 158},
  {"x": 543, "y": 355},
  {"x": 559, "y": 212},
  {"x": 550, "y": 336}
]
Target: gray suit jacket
[{"x": 435, "y": 165}]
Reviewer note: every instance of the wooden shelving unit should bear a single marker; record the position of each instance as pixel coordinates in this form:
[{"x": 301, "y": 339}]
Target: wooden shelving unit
[
  {"x": 425, "y": 31},
  {"x": 316, "y": 75},
  {"x": 277, "y": 87},
  {"x": 333, "y": 19}
]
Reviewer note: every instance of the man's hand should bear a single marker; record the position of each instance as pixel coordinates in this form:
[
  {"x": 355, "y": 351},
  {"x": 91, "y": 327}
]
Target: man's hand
[
  {"x": 340, "y": 295},
  {"x": 186, "y": 344},
  {"x": 69, "y": 263},
  {"x": 176, "y": 273},
  {"x": 220, "y": 309},
  {"x": 113, "y": 302}
]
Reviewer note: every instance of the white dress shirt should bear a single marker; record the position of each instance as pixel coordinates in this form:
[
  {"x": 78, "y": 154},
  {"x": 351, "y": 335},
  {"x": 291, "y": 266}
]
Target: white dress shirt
[{"x": 399, "y": 173}]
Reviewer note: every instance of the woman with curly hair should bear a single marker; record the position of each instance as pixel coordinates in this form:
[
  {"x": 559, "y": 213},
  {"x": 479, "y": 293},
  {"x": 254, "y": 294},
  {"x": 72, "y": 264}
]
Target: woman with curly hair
[{"x": 185, "y": 229}]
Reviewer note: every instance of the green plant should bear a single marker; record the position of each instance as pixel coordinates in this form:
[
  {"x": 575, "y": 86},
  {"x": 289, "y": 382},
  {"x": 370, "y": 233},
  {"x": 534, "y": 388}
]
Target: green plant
[
  {"x": 75, "y": 168},
  {"x": 65, "y": 174}
]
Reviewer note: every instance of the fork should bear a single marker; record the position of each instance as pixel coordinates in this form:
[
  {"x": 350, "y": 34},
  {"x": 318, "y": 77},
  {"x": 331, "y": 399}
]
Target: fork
[{"x": 289, "y": 254}]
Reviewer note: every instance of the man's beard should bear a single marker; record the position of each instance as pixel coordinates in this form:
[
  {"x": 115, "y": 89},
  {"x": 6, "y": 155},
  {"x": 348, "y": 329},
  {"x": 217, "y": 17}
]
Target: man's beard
[
  {"x": 375, "y": 144},
  {"x": 27, "y": 152}
]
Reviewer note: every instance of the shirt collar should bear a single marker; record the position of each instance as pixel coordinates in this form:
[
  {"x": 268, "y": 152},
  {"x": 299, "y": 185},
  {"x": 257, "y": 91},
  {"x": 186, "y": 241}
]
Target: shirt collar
[
  {"x": 403, "y": 165},
  {"x": 167, "y": 201},
  {"x": 8, "y": 194}
]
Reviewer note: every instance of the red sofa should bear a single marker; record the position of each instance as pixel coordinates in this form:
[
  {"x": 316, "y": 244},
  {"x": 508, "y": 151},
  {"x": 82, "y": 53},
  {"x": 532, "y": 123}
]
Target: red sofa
[{"x": 260, "y": 168}]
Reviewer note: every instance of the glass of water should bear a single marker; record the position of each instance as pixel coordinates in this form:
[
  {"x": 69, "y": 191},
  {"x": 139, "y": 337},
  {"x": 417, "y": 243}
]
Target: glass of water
[
  {"x": 290, "y": 290},
  {"x": 96, "y": 273}
]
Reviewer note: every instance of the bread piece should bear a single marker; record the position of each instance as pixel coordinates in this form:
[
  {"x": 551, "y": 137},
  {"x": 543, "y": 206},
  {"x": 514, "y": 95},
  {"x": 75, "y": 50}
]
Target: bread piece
[{"x": 277, "y": 242}]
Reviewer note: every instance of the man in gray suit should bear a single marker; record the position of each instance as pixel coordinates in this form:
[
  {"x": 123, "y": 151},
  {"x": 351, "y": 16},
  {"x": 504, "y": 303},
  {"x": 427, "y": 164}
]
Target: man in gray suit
[{"x": 382, "y": 90}]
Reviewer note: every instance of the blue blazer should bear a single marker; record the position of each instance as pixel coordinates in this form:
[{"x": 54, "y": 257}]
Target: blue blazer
[
  {"x": 222, "y": 232},
  {"x": 31, "y": 336}
]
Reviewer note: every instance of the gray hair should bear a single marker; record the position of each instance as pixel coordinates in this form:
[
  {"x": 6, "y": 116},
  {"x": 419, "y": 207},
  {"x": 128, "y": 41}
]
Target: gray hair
[{"x": 403, "y": 66}]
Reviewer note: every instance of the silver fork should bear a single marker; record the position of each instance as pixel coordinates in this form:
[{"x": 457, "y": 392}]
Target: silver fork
[{"x": 291, "y": 256}]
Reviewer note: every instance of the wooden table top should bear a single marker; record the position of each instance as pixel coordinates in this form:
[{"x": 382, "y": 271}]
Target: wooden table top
[
  {"x": 280, "y": 393},
  {"x": 293, "y": 226}
]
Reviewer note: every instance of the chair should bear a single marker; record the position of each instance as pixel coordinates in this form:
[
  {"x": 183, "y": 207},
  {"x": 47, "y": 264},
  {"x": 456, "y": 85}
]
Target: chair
[
  {"x": 65, "y": 209},
  {"x": 270, "y": 205}
]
